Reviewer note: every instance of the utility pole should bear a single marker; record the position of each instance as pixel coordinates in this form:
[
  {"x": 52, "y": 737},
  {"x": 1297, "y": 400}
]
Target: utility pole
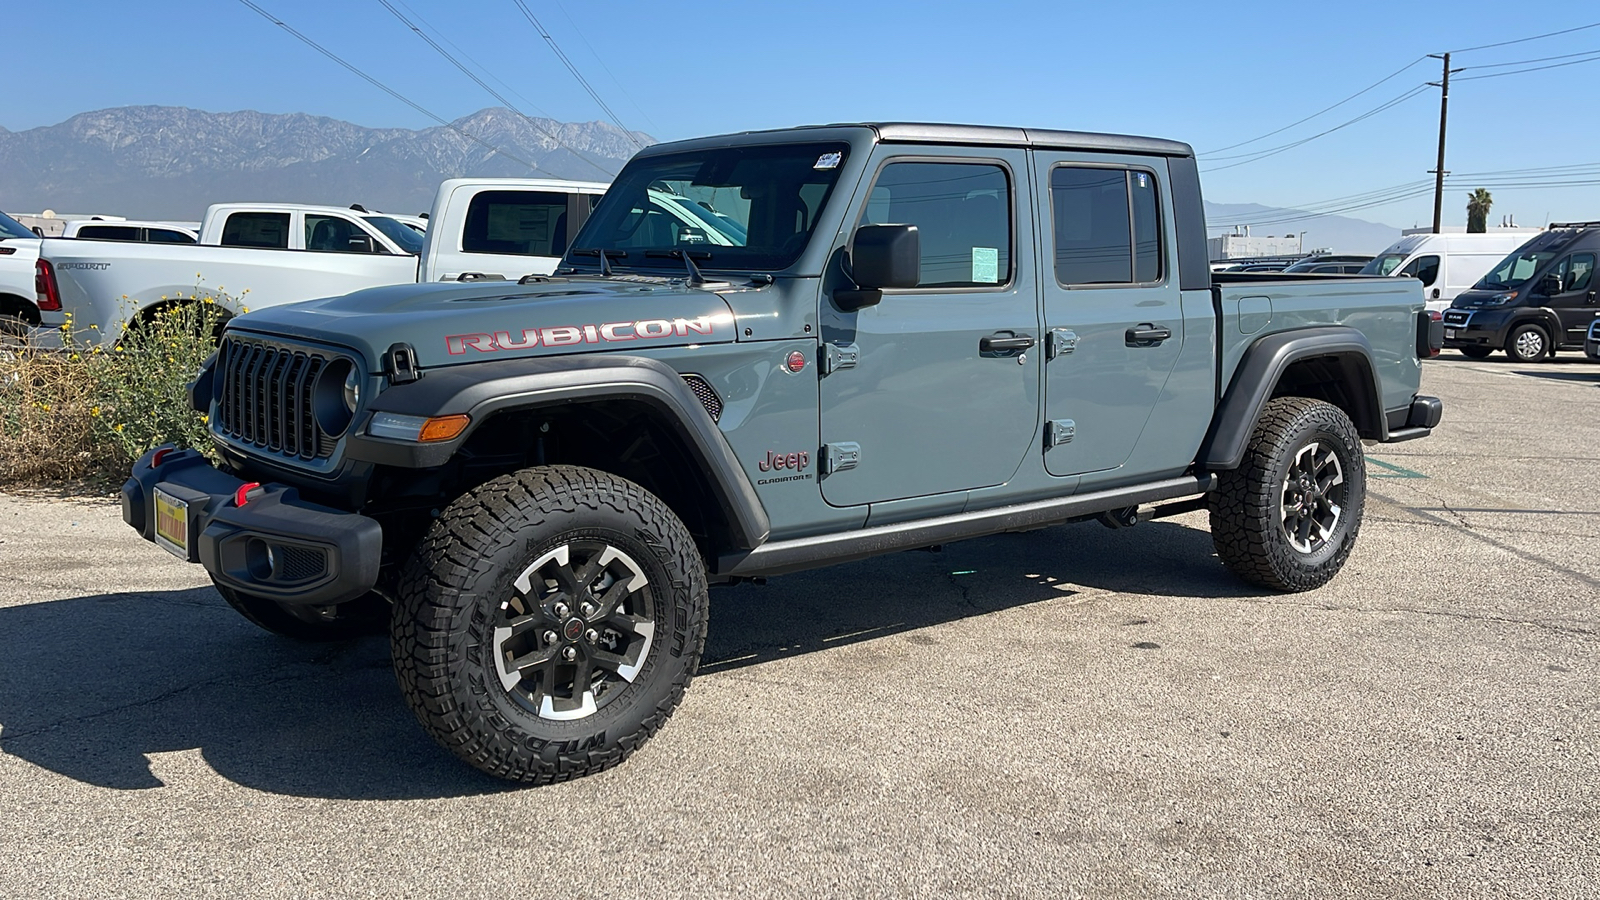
[{"x": 1444, "y": 110}]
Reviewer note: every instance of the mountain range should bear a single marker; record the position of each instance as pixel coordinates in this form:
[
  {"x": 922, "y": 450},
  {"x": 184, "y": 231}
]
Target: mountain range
[{"x": 165, "y": 162}]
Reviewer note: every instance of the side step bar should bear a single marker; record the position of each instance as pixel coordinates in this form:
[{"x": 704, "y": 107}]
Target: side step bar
[{"x": 780, "y": 557}]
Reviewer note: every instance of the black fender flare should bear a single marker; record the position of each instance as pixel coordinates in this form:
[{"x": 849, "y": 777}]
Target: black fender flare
[
  {"x": 483, "y": 389},
  {"x": 1543, "y": 316},
  {"x": 1261, "y": 369}
]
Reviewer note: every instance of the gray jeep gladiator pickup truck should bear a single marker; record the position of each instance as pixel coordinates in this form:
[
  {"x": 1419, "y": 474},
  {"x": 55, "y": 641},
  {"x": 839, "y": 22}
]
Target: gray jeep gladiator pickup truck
[{"x": 902, "y": 335}]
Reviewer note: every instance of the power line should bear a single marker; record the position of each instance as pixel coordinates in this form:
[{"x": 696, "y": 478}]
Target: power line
[
  {"x": 1523, "y": 62},
  {"x": 381, "y": 86},
  {"x": 1323, "y": 110},
  {"x": 1575, "y": 62},
  {"x": 601, "y": 60},
  {"x": 615, "y": 120},
  {"x": 1537, "y": 37},
  {"x": 1259, "y": 155},
  {"x": 485, "y": 85}
]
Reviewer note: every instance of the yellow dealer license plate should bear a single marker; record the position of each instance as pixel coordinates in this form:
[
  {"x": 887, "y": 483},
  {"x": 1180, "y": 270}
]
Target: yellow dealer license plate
[{"x": 172, "y": 524}]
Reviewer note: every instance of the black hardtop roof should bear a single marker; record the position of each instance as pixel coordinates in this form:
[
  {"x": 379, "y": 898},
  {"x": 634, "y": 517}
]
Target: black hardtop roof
[{"x": 935, "y": 133}]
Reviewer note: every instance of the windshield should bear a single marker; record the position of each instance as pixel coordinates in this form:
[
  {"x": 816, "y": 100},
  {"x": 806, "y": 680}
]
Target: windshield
[
  {"x": 748, "y": 208},
  {"x": 11, "y": 228},
  {"x": 395, "y": 230},
  {"x": 1385, "y": 264},
  {"x": 1515, "y": 269}
]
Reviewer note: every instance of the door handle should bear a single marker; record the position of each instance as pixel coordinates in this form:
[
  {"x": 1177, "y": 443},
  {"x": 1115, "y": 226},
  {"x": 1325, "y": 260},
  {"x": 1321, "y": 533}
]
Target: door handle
[
  {"x": 1147, "y": 335},
  {"x": 1004, "y": 341}
]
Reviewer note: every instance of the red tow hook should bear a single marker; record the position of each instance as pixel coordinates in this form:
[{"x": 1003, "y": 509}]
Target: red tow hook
[
  {"x": 242, "y": 495},
  {"x": 155, "y": 461}
]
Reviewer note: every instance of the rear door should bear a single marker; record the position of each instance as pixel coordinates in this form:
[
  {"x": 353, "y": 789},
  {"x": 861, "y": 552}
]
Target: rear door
[
  {"x": 917, "y": 399},
  {"x": 1111, "y": 305}
]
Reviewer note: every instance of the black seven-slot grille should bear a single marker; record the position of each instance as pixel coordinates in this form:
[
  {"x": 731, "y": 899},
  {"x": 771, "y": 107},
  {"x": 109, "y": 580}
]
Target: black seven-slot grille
[
  {"x": 706, "y": 395},
  {"x": 265, "y": 397}
]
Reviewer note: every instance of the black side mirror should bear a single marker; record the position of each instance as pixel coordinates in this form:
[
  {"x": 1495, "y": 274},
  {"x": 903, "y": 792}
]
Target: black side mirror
[
  {"x": 360, "y": 243},
  {"x": 1550, "y": 285},
  {"x": 883, "y": 256}
]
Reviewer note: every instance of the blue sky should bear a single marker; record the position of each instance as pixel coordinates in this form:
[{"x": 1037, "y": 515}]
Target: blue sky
[{"x": 1212, "y": 74}]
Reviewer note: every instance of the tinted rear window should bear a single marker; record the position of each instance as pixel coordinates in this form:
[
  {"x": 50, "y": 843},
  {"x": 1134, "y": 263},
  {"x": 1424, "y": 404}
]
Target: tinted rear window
[
  {"x": 516, "y": 223},
  {"x": 256, "y": 229}
]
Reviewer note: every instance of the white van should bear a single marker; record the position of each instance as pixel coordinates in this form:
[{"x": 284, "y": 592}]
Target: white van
[{"x": 1446, "y": 264}]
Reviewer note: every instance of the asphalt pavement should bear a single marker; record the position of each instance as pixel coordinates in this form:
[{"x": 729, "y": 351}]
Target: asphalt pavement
[{"x": 1076, "y": 712}]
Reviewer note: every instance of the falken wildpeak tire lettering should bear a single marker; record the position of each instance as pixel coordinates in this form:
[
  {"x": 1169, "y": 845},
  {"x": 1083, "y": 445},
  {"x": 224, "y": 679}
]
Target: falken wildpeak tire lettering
[
  {"x": 365, "y": 615},
  {"x": 478, "y": 561},
  {"x": 1247, "y": 510}
]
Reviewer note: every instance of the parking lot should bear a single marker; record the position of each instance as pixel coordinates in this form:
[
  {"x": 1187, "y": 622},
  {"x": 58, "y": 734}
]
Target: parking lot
[{"x": 1073, "y": 712}]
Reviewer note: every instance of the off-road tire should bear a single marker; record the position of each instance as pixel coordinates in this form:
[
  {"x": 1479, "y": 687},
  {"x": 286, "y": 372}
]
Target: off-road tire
[
  {"x": 1247, "y": 509},
  {"x": 459, "y": 593},
  {"x": 1476, "y": 352},
  {"x": 365, "y": 615},
  {"x": 1517, "y": 346}
]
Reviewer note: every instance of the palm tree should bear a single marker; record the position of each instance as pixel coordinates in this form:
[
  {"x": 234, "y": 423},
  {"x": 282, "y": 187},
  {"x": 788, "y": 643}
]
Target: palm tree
[{"x": 1478, "y": 203}]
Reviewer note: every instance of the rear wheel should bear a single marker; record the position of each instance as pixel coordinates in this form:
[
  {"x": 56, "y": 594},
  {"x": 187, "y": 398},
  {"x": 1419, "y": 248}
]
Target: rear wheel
[
  {"x": 549, "y": 623},
  {"x": 1287, "y": 518},
  {"x": 1476, "y": 352},
  {"x": 1527, "y": 343},
  {"x": 368, "y": 614}
]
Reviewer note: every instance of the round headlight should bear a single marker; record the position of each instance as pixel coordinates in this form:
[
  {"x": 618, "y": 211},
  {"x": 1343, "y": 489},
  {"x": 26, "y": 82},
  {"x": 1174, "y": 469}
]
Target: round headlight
[
  {"x": 352, "y": 390},
  {"x": 334, "y": 396}
]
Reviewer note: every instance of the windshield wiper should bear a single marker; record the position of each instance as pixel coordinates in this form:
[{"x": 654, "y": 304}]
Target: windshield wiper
[
  {"x": 695, "y": 277},
  {"x": 605, "y": 267}
]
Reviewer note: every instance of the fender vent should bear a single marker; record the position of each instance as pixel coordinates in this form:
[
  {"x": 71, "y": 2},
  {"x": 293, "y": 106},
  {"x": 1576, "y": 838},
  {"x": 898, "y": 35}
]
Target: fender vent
[{"x": 707, "y": 397}]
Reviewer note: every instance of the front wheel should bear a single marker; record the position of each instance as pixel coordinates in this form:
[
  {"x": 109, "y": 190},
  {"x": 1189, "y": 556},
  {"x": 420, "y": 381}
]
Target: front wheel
[
  {"x": 549, "y": 623},
  {"x": 1527, "y": 343},
  {"x": 1287, "y": 518}
]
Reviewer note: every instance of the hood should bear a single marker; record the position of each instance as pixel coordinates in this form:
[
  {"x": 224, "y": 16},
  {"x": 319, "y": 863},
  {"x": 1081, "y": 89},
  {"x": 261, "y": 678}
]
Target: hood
[
  {"x": 1476, "y": 298},
  {"x": 449, "y": 323}
]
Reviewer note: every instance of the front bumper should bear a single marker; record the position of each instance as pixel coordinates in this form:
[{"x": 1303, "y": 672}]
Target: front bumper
[
  {"x": 276, "y": 545},
  {"x": 1474, "y": 328}
]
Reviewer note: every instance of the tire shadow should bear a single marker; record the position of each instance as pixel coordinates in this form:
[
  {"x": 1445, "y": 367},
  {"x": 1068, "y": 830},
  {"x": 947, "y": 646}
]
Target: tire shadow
[{"x": 91, "y": 686}]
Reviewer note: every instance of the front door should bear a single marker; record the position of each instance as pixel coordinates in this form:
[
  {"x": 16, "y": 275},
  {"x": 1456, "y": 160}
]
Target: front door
[
  {"x": 1111, "y": 304},
  {"x": 931, "y": 391},
  {"x": 1576, "y": 302}
]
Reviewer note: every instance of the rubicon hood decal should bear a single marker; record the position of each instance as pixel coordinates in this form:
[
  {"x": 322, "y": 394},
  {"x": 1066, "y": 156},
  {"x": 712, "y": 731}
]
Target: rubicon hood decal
[{"x": 569, "y": 335}]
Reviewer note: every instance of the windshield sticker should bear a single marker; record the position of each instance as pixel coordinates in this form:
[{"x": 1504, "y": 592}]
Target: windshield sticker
[
  {"x": 829, "y": 160},
  {"x": 985, "y": 265}
]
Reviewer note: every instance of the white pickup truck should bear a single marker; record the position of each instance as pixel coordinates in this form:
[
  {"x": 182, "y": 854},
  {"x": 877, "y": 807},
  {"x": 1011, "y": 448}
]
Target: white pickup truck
[
  {"x": 257, "y": 255},
  {"x": 19, "y": 309}
]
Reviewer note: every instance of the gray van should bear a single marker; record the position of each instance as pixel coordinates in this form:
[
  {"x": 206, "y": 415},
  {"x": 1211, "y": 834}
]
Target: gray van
[{"x": 1540, "y": 299}]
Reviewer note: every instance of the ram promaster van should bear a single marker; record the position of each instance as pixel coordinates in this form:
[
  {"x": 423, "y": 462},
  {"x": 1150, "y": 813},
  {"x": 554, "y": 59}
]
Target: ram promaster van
[
  {"x": 1541, "y": 298},
  {"x": 1446, "y": 264}
]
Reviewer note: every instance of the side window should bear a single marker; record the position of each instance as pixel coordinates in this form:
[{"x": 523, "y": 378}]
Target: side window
[
  {"x": 110, "y": 232},
  {"x": 518, "y": 223},
  {"x": 1107, "y": 226},
  {"x": 1424, "y": 269},
  {"x": 963, "y": 216},
  {"x": 1579, "y": 273},
  {"x": 168, "y": 236},
  {"x": 256, "y": 229},
  {"x": 333, "y": 234}
]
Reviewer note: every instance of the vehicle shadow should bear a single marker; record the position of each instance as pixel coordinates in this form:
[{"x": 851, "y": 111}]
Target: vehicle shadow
[
  {"x": 91, "y": 686},
  {"x": 1590, "y": 377}
]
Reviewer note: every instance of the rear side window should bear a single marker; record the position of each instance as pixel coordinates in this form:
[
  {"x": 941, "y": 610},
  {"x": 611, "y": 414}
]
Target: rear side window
[
  {"x": 1106, "y": 225},
  {"x": 167, "y": 236},
  {"x": 334, "y": 234},
  {"x": 963, "y": 216},
  {"x": 256, "y": 229},
  {"x": 516, "y": 223},
  {"x": 1578, "y": 271},
  {"x": 110, "y": 232}
]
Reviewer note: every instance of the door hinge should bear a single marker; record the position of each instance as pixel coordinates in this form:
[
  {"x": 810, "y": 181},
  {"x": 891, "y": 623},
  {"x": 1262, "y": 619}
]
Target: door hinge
[
  {"x": 1059, "y": 431},
  {"x": 1062, "y": 342},
  {"x": 839, "y": 457},
  {"x": 839, "y": 356}
]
